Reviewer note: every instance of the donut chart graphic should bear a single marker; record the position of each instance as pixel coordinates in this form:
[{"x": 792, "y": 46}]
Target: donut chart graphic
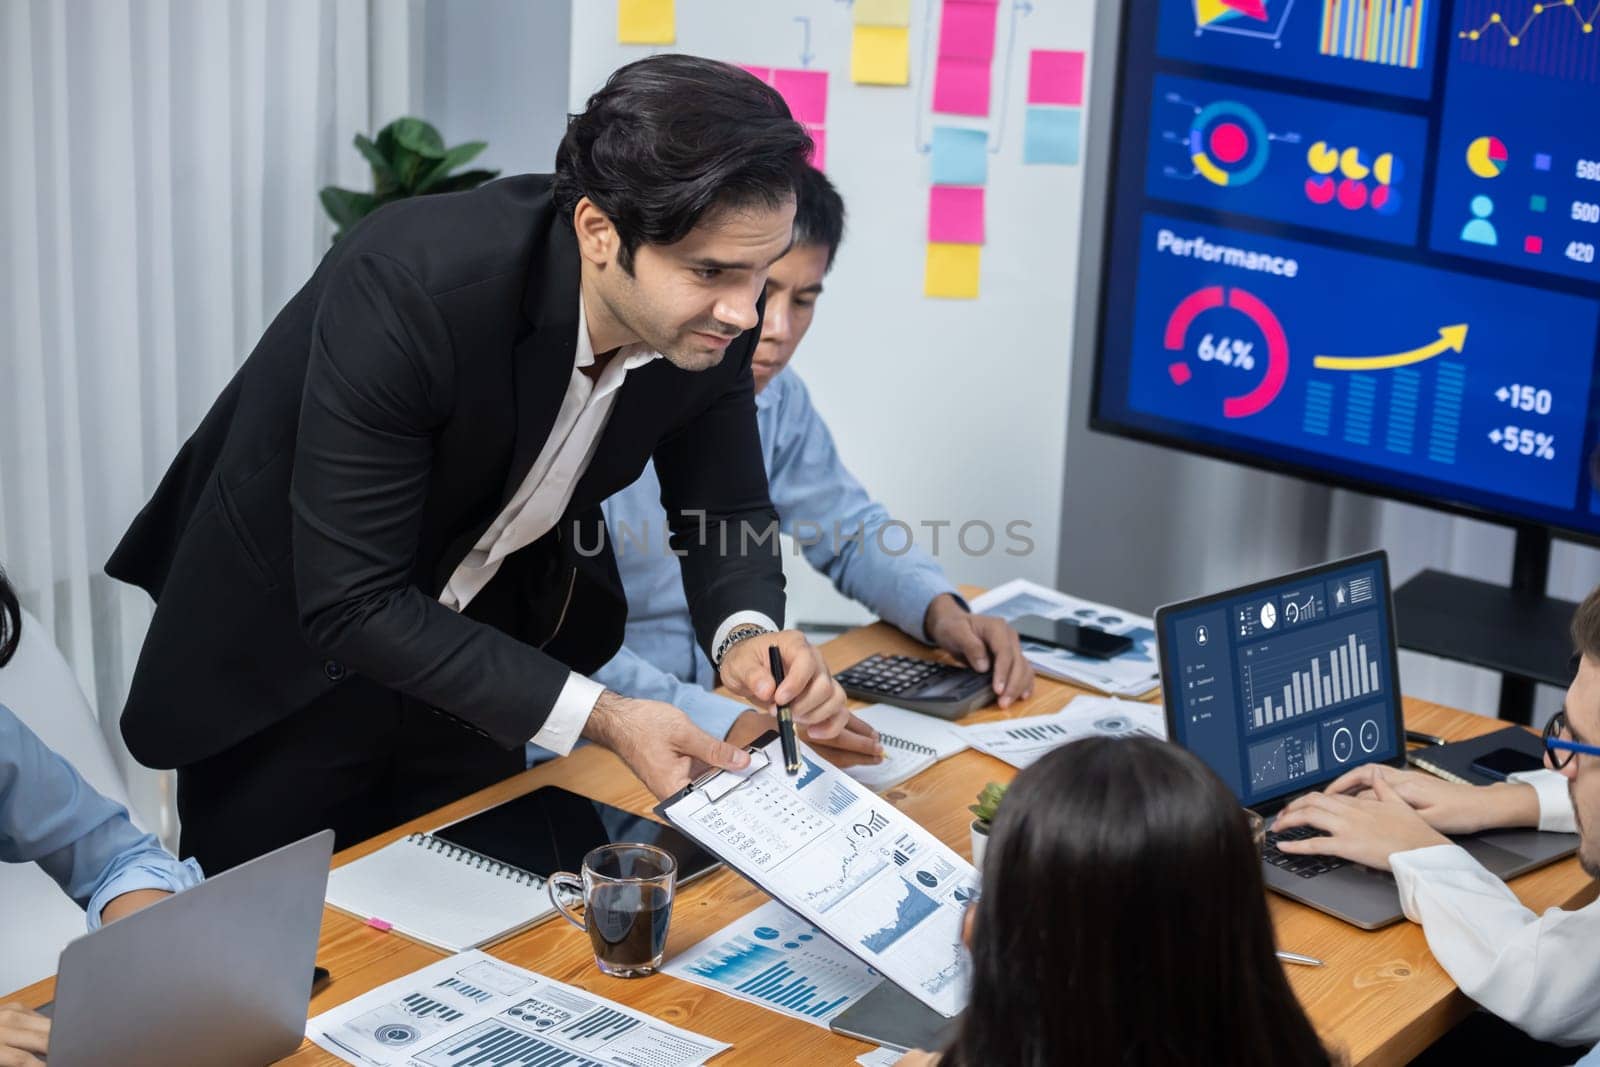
[
  {"x": 1277, "y": 363},
  {"x": 1487, "y": 157},
  {"x": 1228, "y": 143}
]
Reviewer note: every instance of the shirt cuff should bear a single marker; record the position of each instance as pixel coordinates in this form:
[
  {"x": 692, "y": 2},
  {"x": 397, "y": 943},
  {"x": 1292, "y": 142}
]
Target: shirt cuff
[
  {"x": 166, "y": 874},
  {"x": 1411, "y": 867},
  {"x": 569, "y": 715},
  {"x": 739, "y": 618},
  {"x": 911, "y": 612},
  {"x": 1555, "y": 801}
]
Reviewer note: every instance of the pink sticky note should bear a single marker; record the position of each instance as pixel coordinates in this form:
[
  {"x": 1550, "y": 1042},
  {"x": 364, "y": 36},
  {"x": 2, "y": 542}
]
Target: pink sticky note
[
  {"x": 955, "y": 214},
  {"x": 764, "y": 73},
  {"x": 1055, "y": 78},
  {"x": 806, "y": 93},
  {"x": 380, "y": 924},
  {"x": 967, "y": 30},
  {"x": 819, "y": 151},
  {"x": 961, "y": 86}
]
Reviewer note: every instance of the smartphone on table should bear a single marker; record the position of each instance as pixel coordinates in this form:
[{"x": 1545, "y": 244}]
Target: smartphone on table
[
  {"x": 1502, "y": 763},
  {"x": 1072, "y": 636}
]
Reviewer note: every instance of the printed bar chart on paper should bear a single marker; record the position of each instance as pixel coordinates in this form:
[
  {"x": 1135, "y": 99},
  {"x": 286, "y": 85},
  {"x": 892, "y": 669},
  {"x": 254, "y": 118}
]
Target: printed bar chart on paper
[
  {"x": 472, "y": 1010},
  {"x": 774, "y": 958}
]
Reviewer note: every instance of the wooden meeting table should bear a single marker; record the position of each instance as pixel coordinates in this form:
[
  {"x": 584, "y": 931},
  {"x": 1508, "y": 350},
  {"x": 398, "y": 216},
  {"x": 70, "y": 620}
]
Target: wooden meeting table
[{"x": 1380, "y": 999}]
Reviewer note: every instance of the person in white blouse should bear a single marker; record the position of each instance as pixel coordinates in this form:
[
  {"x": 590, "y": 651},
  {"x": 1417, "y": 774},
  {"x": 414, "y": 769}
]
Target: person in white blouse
[{"x": 1540, "y": 973}]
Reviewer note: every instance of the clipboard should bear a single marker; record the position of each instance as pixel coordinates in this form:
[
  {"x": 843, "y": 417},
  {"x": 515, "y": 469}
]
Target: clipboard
[{"x": 874, "y": 881}]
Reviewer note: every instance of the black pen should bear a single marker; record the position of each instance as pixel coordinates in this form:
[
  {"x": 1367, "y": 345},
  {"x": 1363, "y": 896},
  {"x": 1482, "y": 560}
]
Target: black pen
[
  {"x": 1417, "y": 737},
  {"x": 791, "y": 751}
]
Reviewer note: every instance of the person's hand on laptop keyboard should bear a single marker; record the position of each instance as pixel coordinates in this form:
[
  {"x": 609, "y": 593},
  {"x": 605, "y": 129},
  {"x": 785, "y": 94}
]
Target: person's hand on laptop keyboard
[
  {"x": 1362, "y": 829},
  {"x": 24, "y": 1036},
  {"x": 1448, "y": 807}
]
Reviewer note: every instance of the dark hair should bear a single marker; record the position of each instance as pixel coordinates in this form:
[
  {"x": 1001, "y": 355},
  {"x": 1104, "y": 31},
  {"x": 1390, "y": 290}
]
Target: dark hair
[
  {"x": 1123, "y": 920},
  {"x": 10, "y": 621},
  {"x": 671, "y": 137},
  {"x": 818, "y": 213}
]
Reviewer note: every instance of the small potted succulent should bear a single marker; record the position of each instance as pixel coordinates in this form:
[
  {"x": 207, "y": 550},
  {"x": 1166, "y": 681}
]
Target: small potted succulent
[{"x": 983, "y": 817}]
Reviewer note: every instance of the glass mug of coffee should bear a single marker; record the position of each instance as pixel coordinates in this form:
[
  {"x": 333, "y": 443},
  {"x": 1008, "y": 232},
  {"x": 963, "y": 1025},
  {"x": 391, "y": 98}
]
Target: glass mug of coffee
[{"x": 627, "y": 892}]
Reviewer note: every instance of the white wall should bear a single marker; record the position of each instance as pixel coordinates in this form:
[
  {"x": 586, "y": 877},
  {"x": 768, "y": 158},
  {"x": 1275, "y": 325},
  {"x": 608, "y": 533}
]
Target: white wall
[
  {"x": 496, "y": 71},
  {"x": 946, "y": 410}
]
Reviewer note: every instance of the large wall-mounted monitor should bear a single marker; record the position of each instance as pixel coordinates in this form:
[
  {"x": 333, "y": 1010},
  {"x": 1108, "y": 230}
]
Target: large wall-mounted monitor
[{"x": 1355, "y": 241}]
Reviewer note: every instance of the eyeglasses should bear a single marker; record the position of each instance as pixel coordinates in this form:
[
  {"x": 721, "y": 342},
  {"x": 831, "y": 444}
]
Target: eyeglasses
[{"x": 1556, "y": 743}]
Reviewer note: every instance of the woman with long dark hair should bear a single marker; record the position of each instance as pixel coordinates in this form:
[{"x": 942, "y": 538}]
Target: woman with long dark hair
[
  {"x": 1123, "y": 921},
  {"x": 50, "y": 816}
]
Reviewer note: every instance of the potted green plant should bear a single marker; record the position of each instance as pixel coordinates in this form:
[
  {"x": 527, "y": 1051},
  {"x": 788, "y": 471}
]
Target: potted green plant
[
  {"x": 983, "y": 818},
  {"x": 408, "y": 158}
]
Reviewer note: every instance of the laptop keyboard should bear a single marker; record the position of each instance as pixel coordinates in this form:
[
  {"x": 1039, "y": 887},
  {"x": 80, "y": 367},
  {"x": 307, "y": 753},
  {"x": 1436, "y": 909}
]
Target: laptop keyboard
[{"x": 1304, "y": 866}]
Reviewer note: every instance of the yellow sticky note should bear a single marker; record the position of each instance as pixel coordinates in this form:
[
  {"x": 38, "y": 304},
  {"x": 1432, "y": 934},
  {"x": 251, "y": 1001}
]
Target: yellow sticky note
[
  {"x": 881, "y": 55},
  {"x": 646, "y": 22},
  {"x": 952, "y": 271},
  {"x": 883, "y": 12}
]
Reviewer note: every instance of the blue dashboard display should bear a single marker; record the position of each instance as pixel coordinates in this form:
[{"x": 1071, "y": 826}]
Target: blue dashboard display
[
  {"x": 1284, "y": 687},
  {"x": 1355, "y": 240}
]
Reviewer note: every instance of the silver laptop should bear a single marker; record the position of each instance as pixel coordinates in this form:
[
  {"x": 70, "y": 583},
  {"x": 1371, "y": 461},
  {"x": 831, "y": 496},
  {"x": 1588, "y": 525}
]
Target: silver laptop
[
  {"x": 218, "y": 974},
  {"x": 1283, "y": 686}
]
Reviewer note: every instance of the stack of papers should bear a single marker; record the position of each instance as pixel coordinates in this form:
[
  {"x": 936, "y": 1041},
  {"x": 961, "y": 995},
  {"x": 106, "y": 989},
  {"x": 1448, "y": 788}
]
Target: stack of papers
[
  {"x": 774, "y": 958},
  {"x": 1020, "y": 742},
  {"x": 1132, "y": 674},
  {"x": 474, "y": 1009}
]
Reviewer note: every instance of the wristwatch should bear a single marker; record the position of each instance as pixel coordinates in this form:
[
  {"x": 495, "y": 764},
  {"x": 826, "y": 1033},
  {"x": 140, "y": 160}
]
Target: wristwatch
[{"x": 743, "y": 632}]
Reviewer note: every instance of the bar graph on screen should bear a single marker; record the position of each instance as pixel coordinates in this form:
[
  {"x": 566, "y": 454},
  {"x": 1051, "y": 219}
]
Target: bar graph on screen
[
  {"x": 1283, "y": 682},
  {"x": 1374, "y": 31}
]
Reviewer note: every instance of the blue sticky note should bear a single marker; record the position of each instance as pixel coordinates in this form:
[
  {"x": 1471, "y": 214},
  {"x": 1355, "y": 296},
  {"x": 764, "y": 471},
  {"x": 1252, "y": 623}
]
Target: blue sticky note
[
  {"x": 960, "y": 156},
  {"x": 1050, "y": 135}
]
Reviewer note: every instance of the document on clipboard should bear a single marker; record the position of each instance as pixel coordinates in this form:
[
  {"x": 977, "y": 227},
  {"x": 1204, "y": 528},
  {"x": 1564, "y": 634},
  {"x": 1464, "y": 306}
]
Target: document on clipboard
[{"x": 831, "y": 850}]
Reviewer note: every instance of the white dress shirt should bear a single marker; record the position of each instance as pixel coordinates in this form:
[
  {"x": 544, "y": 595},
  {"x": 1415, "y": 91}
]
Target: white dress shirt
[
  {"x": 1541, "y": 973},
  {"x": 539, "y": 503}
]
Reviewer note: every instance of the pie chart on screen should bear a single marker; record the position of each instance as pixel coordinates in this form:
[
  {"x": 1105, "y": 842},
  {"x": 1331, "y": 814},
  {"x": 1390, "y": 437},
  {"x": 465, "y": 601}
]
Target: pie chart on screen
[{"x": 1487, "y": 157}]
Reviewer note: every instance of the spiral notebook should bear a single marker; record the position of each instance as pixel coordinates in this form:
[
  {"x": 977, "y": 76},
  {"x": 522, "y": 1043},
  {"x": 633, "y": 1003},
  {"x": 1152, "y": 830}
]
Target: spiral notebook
[
  {"x": 449, "y": 896},
  {"x": 1453, "y": 762},
  {"x": 912, "y": 742}
]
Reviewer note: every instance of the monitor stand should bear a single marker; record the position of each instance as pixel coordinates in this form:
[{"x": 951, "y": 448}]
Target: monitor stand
[{"x": 1519, "y": 631}]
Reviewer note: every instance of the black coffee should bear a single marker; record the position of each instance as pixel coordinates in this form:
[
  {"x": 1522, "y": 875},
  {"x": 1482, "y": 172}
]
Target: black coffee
[{"x": 628, "y": 924}]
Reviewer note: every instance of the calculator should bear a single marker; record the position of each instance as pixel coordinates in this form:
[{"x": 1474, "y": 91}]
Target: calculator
[{"x": 924, "y": 685}]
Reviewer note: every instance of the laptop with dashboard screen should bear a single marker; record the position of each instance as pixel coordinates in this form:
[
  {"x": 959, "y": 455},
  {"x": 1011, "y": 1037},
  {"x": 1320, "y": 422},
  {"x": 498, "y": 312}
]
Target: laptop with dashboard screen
[{"x": 1284, "y": 685}]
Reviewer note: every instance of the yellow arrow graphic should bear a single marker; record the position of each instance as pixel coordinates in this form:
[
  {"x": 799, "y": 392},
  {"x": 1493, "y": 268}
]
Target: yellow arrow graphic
[{"x": 1451, "y": 339}]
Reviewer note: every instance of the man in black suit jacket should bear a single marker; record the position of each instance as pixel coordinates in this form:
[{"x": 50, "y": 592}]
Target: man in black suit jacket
[{"x": 380, "y": 565}]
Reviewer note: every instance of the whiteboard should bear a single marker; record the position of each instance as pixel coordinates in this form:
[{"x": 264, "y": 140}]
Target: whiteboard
[{"x": 947, "y": 410}]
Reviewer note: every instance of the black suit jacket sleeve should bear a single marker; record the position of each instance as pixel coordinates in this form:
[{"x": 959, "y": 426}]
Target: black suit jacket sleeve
[
  {"x": 379, "y": 383},
  {"x": 724, "y": 527}
]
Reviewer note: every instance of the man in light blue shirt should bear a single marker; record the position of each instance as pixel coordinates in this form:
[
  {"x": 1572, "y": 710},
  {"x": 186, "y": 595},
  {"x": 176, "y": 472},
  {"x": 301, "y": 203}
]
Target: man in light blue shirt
[
  {"x": 838, "y": 526},
  {"x": 50, "y": 816}
]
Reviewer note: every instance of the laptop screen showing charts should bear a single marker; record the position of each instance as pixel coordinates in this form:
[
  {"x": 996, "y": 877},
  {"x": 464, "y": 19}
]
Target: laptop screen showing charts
[{"x": 1284, "y": 685}]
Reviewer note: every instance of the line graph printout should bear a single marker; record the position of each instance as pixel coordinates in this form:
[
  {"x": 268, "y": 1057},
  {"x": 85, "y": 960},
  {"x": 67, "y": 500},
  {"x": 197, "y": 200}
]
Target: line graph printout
[
  {"x": 472, "y": 1009},
  {"x": 849, "y": 863}
]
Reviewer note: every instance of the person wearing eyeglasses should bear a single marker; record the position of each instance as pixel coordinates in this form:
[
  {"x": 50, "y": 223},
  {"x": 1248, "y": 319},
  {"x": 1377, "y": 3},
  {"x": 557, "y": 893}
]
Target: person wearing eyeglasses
[{"x": 1540, "y": 973}]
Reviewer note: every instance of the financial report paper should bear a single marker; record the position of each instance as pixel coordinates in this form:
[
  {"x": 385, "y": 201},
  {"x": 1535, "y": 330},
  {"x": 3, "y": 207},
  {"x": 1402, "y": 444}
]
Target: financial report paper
[
  {"x": 472, "y": 1009},
  {"x": 847, "y": 861},
  {"x": 774, "y": 958}
]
